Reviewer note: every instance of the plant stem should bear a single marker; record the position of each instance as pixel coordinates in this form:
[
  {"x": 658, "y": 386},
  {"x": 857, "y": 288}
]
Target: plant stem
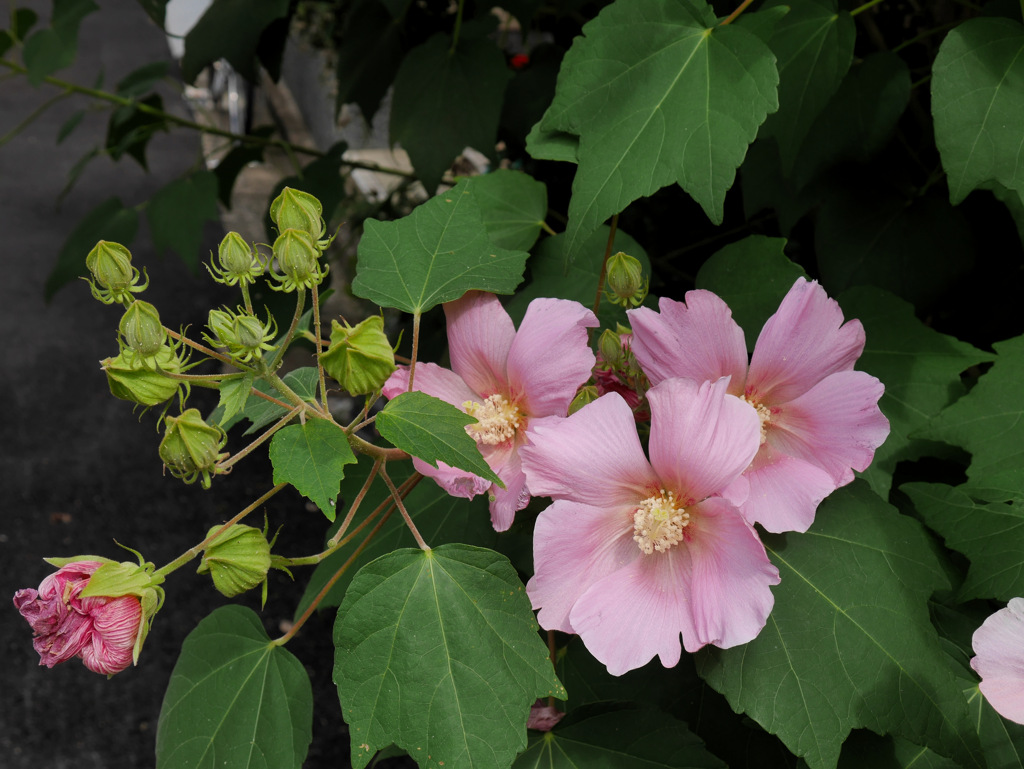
[
  {"x": 401, "y": 508},
  {"x": 604, "y": 262},
  {"x": 547, "y": 228},
  {"x": 222, "y": 466},
  {"x": 458, "y": 28},
  {"x": 864, "y": 7},
  {"x": 300, "y": 301},
  {"x": 365, "y": 447},
  {"x": 29, "y": 120},
  {"x": 319, "y": 347},
  {"x": 203, "y": 349},
  {"x": 333, "y": 541},
  {"x": 191, "y": 553},
  {"x": 415, "y": 346},
  {"x": 732, "y": 16}
]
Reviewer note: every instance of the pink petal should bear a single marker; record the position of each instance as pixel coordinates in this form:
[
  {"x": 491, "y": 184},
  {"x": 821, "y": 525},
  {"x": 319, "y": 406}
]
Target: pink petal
[
  {"x": 696, "y": 340},
  {"x": 593, "y": 457},
  {"x": 574, "y": 546},
  {"x": 506, "y": 502},
  {"x": 836, "y": 425},
  {"x": 550, "y": 357},
  {"x": 714, "y": 588},
  {"x": 784, "y": 491},
  {"x": 433, "y": 380},
  {"x": 801, "y": 344},
  {"x": 456, "y": 482},
  {"x": 999, "y": 646},
  {"x": 701, "y": 438},
  {"x": 480, "y": 334}
]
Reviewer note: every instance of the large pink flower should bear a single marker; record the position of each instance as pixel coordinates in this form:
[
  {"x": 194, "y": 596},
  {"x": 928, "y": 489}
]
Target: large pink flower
[
  {"x": 999, "y": 646},
  {"x": 508, "y": 380},
  {"x": 632, "y": 553},
  {"x": 820, "y": 419},
  {"x": 100, "y": 630}
]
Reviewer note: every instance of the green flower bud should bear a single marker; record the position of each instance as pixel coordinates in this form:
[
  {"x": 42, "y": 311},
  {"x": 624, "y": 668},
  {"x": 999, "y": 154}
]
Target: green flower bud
[
  {"x": 609, "y": 346},
  {"x": 627, "y": 286},
  {"x": 131, "y": 379},
  {"x": 142, "y": 330},
  {"x": 111, "y": 267},
  {"x": 244, "y": 335},
  {"x": 298, "y": 210},
  {"x": 191, "y": 447},
  {"x": 238, "y": 560},
  {"x": 238, "y": 263},
  {"x": 586, "y": 395},
  {"x": 297, "y": 257},
  {"x": 360, "y": 357}
]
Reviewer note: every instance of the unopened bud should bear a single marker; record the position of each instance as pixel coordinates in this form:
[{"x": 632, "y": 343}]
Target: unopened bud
[
  {"x": 627, "y": 286},
  {"x": 111, "y": 267},
  {"x": 296, "y": 255},
  {"x": 586, "y": 395},
  {"x": 360, "y": 357},
  {"x": 238, "y": 263},
  {"x": 609, "y": 346},
  {"x": 132, "y": 379},
  {"x": 191, "y": 448},
  {"x": 298, "y": 210},
  {"x": 244, "y": 335},
  {"x": 142, "y": 330},
  {"x": 238, "y": 559}
]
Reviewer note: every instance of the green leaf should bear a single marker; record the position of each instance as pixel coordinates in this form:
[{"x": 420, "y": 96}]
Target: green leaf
[
  {"x": 987, "y": 421},
  {"x": 234, "y": 393},
  {"x": 752, "y": 276},
  {"x": 178, "y": 212},
  {"x": 70, "y": 125},
  {"x": 437, "y": 651},
  {"x": 1002, "y": 740},
  {"x": 370, "y": 58},
  {"x": 985, "y": 522},
  {"x": 156, "y": 10},
  {"x": 312, "y": 458},
  {"x": 849, "y": 643},
  {"x": 435, "y": 254},
  {"x": 688, "y": 101},
  {"x": 304, "y": 381},
  {"x": 919, "y": 367},
  {"x": 130, "y": 129},
  {"x": 446, "y": 100},
  {"x": 619, "y": 736},
  {"x": 553, "y": 145},
  {"x": 53, "y": 49},
  {"x": 440, "y": 518},
  {"x": 230, "y": 29},
  {"x": 814, "y": 46},
  {"x": 234, "y": 699},
  {"x": 110, "y": 220},
  {"x": 434, "y": 431},
  {"x": 978, "y": 104},
  {"x": 22, "y": 20},
  {"x": 142, "y": 80},
  {"x": 513, "y": 206}
]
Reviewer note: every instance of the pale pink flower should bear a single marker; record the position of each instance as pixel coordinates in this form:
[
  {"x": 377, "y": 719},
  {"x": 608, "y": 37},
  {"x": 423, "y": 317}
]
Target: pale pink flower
[
  {"x": 632, "y": 553},
  {"x": 100, "y": 630},
  {"x": 999, "y": 646},
  {"x": 508, "y": 380},
  {"x": 820, "y": 419}
]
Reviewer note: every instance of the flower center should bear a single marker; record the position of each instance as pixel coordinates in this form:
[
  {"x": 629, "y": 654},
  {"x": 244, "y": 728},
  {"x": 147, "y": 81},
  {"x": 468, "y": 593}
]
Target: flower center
[
  {"x": 658, "y": 522},
  {"x": 763, "y": 413},
  {"x": 497, "y": 419}
]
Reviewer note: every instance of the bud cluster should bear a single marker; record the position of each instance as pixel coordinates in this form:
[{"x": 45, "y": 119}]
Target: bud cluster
[
  {"x": 297, "y": 250},
  {"x": 244, "y": 335}
]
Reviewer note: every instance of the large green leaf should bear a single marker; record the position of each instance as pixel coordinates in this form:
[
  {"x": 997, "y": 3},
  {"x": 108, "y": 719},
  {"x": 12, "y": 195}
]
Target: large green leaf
[
  {"x": 230, "y": 29},
  {"x": 688, "y": 100},
  {"x": 435, "y": 254},
  {"x": 814, "y": 46},
  {"x": 447, "y": 98},
  {"x": 988, "y": 420},
  {"x": 978, "y": 104},
  {"x": 849, "y": 643},
  {"x": 312, "y": 457},
  {"x": 919, "y": 367},
  {"x": 234, "y": 701},
  {"x": 985, "y": 523},
  {"x": 512, "y": 205},
  {"x": 130, "y": 129},
  {"x": 178, "y": 212},
  {"x": 752, "y": 276},
  {"x": 619, "y": 737},
  {"x": 437, "y": 651},
  {"x": 439, "y": 517},
  {"x": 110, "y": 220},
  {"x": 52, "y": 49},
  {"x": 369, "y": 59},
  {"x": 433, "y": 430}
]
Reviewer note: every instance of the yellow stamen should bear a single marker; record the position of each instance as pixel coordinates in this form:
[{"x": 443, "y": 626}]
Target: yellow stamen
[
  {"x": 763, "y": 413},
  {"x": 497, "y": 419},
  {"x": 658, "y": 522}
]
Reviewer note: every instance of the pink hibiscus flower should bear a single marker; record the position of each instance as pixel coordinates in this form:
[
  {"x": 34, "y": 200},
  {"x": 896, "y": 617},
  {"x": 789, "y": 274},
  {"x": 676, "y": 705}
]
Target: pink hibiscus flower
[
  {"x": 999, "y": 646},
  {"x": 508, "y": 380},
  {"x": 100, "y": 630},
  {"x": 820, "y": 419},
  {"x": 632, "y": 553}
]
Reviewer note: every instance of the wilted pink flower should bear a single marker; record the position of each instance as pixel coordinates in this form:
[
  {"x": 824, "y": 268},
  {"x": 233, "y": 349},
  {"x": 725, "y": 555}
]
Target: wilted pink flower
[
  {"x": 100, "y": 630},
  {"x": 508, "y": 380},
  {"x": 820, "y": 419},
  {"x": 999, "y": 646},
  {"x": 632, "y": 553},
  {"x": 544, "y": 716}
]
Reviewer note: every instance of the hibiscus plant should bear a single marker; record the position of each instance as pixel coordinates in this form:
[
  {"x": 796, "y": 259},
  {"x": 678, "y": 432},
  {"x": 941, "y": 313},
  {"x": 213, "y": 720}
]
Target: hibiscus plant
[{"x": 769, "y": 504}]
